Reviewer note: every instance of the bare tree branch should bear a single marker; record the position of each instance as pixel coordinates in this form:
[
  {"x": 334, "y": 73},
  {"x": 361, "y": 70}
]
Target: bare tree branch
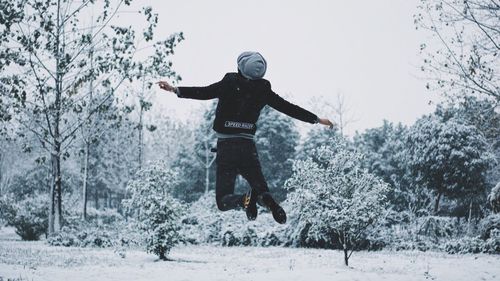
[
  {"x": 452, "y": 54},
  {"x": 481, "y": 26},
  {"x": 91, "y": 113}
]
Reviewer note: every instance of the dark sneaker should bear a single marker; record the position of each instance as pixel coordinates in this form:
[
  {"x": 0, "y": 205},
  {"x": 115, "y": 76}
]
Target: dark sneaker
[
  {"x": 279, "y": 214},
  {"x": 249, "y": 203}
]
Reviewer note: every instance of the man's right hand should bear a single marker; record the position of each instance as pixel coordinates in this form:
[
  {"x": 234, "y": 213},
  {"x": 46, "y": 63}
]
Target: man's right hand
[
  {"x": 164, "y": 85},
  {"x": 326, "y": 122}
]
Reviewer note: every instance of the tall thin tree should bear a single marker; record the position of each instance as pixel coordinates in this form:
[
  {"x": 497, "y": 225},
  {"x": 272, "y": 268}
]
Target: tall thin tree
[{"x": 46, "y": 46}]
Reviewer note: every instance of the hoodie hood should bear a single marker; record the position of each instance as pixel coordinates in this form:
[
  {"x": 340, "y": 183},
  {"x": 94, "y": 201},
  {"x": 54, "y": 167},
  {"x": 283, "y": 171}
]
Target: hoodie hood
[{"x": 252, "y": 65}]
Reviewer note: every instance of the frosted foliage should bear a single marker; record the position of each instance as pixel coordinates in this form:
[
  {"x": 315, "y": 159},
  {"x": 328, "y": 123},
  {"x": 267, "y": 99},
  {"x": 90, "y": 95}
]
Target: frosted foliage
[
  {"x": 157, "y": 212},
  {"x": 335, "y": 195},
  {"x": 203, "y": 220},
  {"x": 450, "y": 157},
  {"x": 495, "y": 198},
  {"x": 276, "y": 140},
  {"x": 205, "y": 223}
]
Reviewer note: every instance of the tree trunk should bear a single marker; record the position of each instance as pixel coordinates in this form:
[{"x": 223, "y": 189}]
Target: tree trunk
[
  {"x": 208, "y": 162},
  {"x": 141, "y": 116},
  {"x": 96, "y": 198},
  {"x": 52, "y": 204},
  {"x": 162, "y": 256},
  {"x": 1, "y": 173},
  {"x": 343, "y": 240},
  {"x": 346, "y": 256},
  {"x": 140, "y": 138},
  {"x": 207, "y": 179},
  {"x": 436, "y": 203},
  {"x": 110, "y": 198},
  {"x": 55, "y": 214},
  {"x": 88, "y": 132},
  {"x": 58, "y": 186},
  {"x": 470, "y": 218},
  {"x": 106, "y": 199},
  {"x": 85, "y": 180},
  {"x": 207, "y": 166}
]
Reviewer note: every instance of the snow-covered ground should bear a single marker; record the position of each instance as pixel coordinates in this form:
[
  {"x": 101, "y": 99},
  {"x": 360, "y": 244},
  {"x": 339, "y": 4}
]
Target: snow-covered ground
[{"x": 37, "y": 261}]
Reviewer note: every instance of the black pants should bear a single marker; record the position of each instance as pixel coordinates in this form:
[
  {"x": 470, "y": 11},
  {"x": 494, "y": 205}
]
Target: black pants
[{"x": 237, "y": 156}]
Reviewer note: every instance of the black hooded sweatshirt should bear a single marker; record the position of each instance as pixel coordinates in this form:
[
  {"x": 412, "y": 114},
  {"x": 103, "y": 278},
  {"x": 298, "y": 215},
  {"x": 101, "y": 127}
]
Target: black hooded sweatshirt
[{"x": 240, "y": 103}]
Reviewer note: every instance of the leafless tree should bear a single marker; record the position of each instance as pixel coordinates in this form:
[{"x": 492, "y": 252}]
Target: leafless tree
[
  {"x": 340, "y": 111},
  {"x": 463, "y": 58}
]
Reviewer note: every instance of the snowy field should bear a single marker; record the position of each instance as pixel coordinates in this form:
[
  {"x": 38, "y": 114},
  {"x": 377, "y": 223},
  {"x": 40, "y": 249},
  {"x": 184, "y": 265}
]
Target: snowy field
[{"x": 37, "y": 261}]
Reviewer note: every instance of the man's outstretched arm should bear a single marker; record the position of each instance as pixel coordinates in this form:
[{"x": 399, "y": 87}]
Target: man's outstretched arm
[
  {"x": 295, "y": 111},
  {"x": 200, "y": 93}
]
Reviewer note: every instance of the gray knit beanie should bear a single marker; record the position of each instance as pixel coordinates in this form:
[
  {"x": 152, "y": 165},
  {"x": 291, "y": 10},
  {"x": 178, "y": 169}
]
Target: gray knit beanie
[{"x": 252, "y": 65}]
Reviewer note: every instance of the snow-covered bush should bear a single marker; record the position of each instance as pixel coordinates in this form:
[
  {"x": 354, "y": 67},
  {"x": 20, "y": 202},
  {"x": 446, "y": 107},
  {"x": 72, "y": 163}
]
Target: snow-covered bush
[
  {"x": 396, "y": 230},
  {"x": 464, "y": 245},
  {"x": 157, "y": 213},
  {"x": 6, "y": 209},
  {"x": 29, "y": 216},
  {"x": 105, "y": 216},
  {"x": 400, "y": 237},
  {"x": 204, "y": 223},
  {"x": 487, "y": 242},
  {"x": 488, "y": 224},
  {"x": 494, "y": 198},
  {"x": 334, "y": 198},
  {"x": 89, "y": 235},
  {"x": 475, "y": 245},
  {"x": 435, "y": 227},
  {"x": 492, "y": 244},
  {"x": 246, "y": 236},
  {"x": 102, "y": 228},
  {"x": 66, "y": 237}
]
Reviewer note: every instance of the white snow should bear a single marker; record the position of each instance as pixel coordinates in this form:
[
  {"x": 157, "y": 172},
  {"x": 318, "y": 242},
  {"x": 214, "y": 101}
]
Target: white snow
[{"x": 37, "y": 261}]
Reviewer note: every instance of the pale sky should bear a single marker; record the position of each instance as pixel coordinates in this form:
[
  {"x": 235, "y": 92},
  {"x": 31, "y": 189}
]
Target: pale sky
[{"x": 366, "y": 50}]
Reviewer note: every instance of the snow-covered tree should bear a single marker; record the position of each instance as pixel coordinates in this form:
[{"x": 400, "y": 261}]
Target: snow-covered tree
[
  {"x": 29, "y": 182},
  {"x": 276, "y": 140},
  {"x": 28, "y": 216},
  {"x": 335, "y": 198},
  {"x": 381, "y": 147},
  {"x": 316, "y": 137},
  {"x": 165, "y": 142},
  {"x": 157, "y": 214},
  {"x": 111, "y": 163},
  {"x": 449, "y": 157},
  {"x": 494, "y": 198},
  {"x": 205, "y": 139},
  {"x": 191, "y": 171},
  {"x": 483, "y": 115},
  {"x": 193, "y": 157},
  {"x": 52, "y": 53}
]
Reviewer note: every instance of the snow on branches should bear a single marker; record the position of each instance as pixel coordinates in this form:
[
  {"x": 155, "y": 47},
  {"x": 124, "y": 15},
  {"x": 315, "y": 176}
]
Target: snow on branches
[
  {"x": 334, "y": 198},
  {"x": 157, "y": 213}
]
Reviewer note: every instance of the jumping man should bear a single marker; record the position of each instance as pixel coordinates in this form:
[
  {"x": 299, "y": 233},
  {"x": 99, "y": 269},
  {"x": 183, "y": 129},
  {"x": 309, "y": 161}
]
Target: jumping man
[{"x": 242, "y": 96}]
